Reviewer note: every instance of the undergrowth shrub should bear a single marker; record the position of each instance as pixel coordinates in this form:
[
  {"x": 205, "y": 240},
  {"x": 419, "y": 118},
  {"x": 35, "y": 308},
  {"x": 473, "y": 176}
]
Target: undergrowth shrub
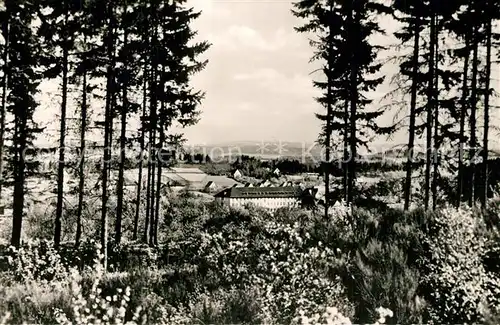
[{"x": 458, "y": 287}]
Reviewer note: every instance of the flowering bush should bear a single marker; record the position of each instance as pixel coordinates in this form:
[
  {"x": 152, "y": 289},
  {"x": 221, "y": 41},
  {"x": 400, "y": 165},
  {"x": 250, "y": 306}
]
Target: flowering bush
[
  {"x": 289, "y": 269},
  {"x": 36, "y": 261},
  {"x": 95, "y": 309},
  {"x": 295, "y": 274},
  {"x": 332, "y": 316},
  {"x": 458, "y": 286}
]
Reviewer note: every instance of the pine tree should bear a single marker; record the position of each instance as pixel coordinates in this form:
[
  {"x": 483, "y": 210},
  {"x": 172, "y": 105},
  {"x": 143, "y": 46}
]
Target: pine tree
[
  {"x": 22, "y": 86},
  {"x": 353, "y": 72},
  {"x": 491, "y": 12},
  {"x": 4, "y": 17},
  {"x": 412, "y": 12},
  {"x": 109, "y": 42}
]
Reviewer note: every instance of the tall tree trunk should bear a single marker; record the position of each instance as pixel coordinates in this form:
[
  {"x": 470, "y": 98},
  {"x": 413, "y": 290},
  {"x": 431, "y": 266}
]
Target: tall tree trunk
[
  {"x": 107, "y": 130},
  {"x": 123, "y": 134},
  {"x": 151, "y": 155},
  {"x": 145, "y": 235},
  {"x": 141, "y": 141},
  {"x": 152, "y": 194},
  {"x": 430, "y": 108},
  {"x": 154, "y": 122},
  {"x": 473, "y": 141},
  {"x": 62, "y": 131},
  {"x": 463, "y": 112},
  {"x": 328, "y": 121},
  {"x": 486, "y": 114},
  {"x": 19, "y": 179},
  {"x": 345, "y": 162},
  {"x": 5, "y": 58},
  {"x": 353, "y": 96},
  {"x": 435, "y": 99},
  {"x": 413, "y": 105},
  {"x": 158, "y": 184},
  {"x": 81, "y": 169}
]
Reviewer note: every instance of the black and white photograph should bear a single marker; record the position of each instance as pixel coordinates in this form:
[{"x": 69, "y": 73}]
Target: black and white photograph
[{"x": 199, "y": 162}]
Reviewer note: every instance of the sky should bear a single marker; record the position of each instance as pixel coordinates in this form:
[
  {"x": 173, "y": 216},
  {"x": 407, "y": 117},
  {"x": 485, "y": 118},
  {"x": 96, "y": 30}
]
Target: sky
[{"x": 258, "y": 81}]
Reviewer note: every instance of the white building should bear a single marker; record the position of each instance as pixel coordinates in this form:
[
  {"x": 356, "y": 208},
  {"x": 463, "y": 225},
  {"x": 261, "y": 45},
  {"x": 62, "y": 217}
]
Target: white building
[
  {"x": 237, "y": 174},
  {"x": 271, "y": 198}
]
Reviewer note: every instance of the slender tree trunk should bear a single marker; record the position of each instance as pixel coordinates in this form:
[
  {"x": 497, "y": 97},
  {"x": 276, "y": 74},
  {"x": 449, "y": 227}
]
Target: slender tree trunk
[
  {"x": 345, "y": 162},
  {"x": 353, "y": 95},
  {"x": 152, "y": 194},
  {"x": 123, "y": 134},
  {"x": 148, "y": 191},
  {"x": 328, "y": 130},
  {"x": 473, "y": 141},
  {"x": 141, "y": 141},
  {"x": 465, "y": 91},
  {"x": 81, "y": 170},
  {"x": 5, "y": 57},
  {"x": 61, "y": 163},
  {"x": 154, "y": 121},
  {"x": 486, "y": 114},
  {"x": 107, "y": 130},
  {"x": 151, "y": 156},
  {"x": 435, "y": 99},
  {"x": 19, "y": 178},
  {"x": 430, "y": 107},
  {"x": 158, "y": 185},
  {"x": 413, "y": 105}
]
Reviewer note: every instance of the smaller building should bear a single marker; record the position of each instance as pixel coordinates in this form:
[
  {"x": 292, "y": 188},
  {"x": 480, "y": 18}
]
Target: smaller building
[
  {"x": 271, "y": 198},
  {"x": 266, "y": 183},
  {"x": 218, "y": 183},
  {"x": 237, "y": 174}
]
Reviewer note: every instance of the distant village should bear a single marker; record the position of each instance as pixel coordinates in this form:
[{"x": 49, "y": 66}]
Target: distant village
[{"x": 257, "y": 182}]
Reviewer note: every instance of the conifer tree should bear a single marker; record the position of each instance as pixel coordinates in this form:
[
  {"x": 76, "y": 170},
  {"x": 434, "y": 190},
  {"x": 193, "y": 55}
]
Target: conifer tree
[
  {"x": 4, "y": 50},
  {"x": 22, "y": 86},
  {"x": 354, "y": 69}
]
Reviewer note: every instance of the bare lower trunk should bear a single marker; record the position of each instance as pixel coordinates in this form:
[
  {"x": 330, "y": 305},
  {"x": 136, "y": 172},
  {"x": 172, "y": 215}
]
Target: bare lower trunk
[
  {"x": 60, "y": 169},
  {"x": 462, "y": 124},
  {"x": 158, "y": 189},
  {"x": 139, "y": 180},
  {"x": 81, "y": 170},
  {"x": 353, "y": 105},
  {"x": 148, "y": 197},
  {"x": 5, "y": 57},
  {"x": 485, "y": 172},
  {"x": 413, "y": 105},
  {"x": 430, "y": 109},
  {"x": 107, "y": 137},
  {"x": 123, "y": 134},
  {"x": 436, "y": 122},
  {"x": 345, "y": 162},
  {"x": 473, "y": 141}
]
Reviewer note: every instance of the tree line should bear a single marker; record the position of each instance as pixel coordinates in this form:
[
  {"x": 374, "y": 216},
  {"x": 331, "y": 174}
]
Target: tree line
[
  {"x": 445, "y": 52},
  {"x": 136, "y": 56}
]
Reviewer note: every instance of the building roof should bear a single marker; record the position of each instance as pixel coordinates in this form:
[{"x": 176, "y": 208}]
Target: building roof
[
  {"x": 173, "y": 178},
  {"x": 222, "y": 181},
  {"x": 261, "y": 192},
  {"x": 192, "y": 175},
  {"x": 187, "y": 170},
  {"x": 210, "y": 184}
]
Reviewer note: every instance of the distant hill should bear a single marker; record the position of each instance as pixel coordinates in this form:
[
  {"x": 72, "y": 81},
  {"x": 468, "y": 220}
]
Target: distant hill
[
  {"x": 264, "y": 150},
  {"x": 297, "y": 150}
]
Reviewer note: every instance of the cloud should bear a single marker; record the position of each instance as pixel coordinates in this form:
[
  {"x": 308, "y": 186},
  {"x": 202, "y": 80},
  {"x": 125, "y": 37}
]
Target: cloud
[
  {"x": 209, "y": 8},
  {"x": 296, "y": 85},
  {"x": 241, "y": 37}
]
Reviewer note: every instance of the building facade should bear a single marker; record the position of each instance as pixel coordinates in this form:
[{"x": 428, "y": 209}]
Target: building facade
[{"x": 271, "y": 198}]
